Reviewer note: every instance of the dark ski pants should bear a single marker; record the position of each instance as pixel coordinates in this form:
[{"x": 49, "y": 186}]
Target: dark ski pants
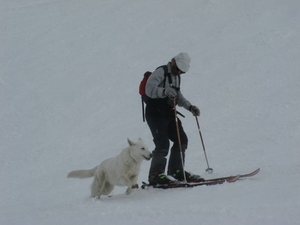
[{"x": 164, "y": 129}]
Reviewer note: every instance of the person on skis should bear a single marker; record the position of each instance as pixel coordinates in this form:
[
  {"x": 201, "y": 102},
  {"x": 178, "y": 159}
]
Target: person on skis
[{"x": 160, "y": 117}]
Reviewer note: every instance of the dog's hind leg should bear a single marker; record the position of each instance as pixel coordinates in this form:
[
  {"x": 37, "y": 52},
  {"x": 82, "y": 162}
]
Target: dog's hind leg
[
  {"x": 98, "y": 184},
  {"x": 107, "y": 188}
]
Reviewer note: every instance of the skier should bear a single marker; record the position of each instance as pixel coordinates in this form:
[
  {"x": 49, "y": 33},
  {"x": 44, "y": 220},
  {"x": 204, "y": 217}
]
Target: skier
[{"x": 160, "y": 118}]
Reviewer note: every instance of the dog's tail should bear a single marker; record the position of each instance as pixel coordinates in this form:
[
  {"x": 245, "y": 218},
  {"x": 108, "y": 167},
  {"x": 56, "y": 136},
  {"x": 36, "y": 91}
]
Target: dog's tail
[{"x": 82, "y": 173}]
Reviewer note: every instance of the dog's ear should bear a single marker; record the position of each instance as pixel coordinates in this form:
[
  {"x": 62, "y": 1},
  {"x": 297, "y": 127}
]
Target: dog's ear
[{"x": 130, "y": 142}]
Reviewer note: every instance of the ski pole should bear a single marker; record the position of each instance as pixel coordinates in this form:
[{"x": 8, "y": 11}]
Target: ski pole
[
  {"x": 209, "y": 170},
  {"x": 179, "y": 140}
]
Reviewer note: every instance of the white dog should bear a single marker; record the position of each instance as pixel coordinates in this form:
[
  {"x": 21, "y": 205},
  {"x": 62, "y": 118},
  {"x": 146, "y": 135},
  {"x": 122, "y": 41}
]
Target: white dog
[{"x": 121, "y": 170}]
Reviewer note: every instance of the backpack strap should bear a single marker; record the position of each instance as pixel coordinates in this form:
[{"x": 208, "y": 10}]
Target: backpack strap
[{"x": 165, "y": 67}]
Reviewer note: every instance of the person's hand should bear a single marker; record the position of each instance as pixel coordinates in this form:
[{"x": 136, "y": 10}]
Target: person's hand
[
  {"x": 170, "y": 92},
  {"x": 195, "y": 110}
]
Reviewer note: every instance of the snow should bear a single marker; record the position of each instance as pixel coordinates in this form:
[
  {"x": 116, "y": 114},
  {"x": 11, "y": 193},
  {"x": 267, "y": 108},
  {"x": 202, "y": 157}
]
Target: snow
[{"x": 69, "y": 76}]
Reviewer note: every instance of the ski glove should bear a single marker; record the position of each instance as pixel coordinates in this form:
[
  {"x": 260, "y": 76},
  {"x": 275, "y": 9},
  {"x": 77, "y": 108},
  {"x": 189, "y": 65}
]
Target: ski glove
[
  {"x": 195, "y": 110},
  {"x": 170, "y": 92}
]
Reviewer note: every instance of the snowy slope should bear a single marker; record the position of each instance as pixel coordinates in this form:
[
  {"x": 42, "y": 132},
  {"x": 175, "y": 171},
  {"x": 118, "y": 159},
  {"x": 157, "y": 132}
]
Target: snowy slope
[{"x": 69, "y": 74}]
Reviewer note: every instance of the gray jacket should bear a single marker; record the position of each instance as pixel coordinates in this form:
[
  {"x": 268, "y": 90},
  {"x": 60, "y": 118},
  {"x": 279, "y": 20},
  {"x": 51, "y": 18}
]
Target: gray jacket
[{"x": 154, "y": 86}]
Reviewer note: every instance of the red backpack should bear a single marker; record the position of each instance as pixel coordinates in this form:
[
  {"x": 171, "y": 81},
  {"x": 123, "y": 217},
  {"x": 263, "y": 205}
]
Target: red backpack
[{"x": 142, "y": 88}]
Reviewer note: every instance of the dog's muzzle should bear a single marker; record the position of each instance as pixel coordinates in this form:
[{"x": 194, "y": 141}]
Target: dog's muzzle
[{"x": 148, "y": 158}]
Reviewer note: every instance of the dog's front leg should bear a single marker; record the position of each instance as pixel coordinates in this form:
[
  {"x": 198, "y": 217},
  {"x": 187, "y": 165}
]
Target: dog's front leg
[
  {"x": 134, "y": 179},
  {"x": 128, "y": 190},
  {"x": 129, "y": 184}
]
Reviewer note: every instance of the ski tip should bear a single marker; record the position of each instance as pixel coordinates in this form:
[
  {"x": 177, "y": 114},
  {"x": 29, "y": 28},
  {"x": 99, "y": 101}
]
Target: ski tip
[
  {"x": 256, "y": 171},
  {"x": 252, "y": 173}
]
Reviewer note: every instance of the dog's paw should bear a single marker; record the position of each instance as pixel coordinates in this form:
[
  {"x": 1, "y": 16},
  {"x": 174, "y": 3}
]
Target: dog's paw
[
  {"x": 128, "y": 191},
  {"x": 135, "y": 186},
  {"x": 95, "y": 198}
]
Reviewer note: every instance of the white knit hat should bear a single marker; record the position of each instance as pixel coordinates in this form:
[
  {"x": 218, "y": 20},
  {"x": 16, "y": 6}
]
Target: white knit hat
[{"x": 183, "y": 61}]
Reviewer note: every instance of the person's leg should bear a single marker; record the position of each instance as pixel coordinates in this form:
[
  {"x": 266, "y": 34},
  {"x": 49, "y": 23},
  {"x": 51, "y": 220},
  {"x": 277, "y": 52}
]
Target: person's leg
[
  {"x": 159, "y": 130},
  {"x": 175, "y": 161}
]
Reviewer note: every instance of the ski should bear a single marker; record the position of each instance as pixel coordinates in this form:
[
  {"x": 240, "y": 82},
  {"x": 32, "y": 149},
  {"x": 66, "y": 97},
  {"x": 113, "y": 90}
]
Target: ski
[
  {"x": 253, "y": 173},
  {"x": 189, "y": 185},
  {"x": 229, "y": 179},
  {"x": 206, "y": 182},
  {"x": 182, "y": 185}
]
